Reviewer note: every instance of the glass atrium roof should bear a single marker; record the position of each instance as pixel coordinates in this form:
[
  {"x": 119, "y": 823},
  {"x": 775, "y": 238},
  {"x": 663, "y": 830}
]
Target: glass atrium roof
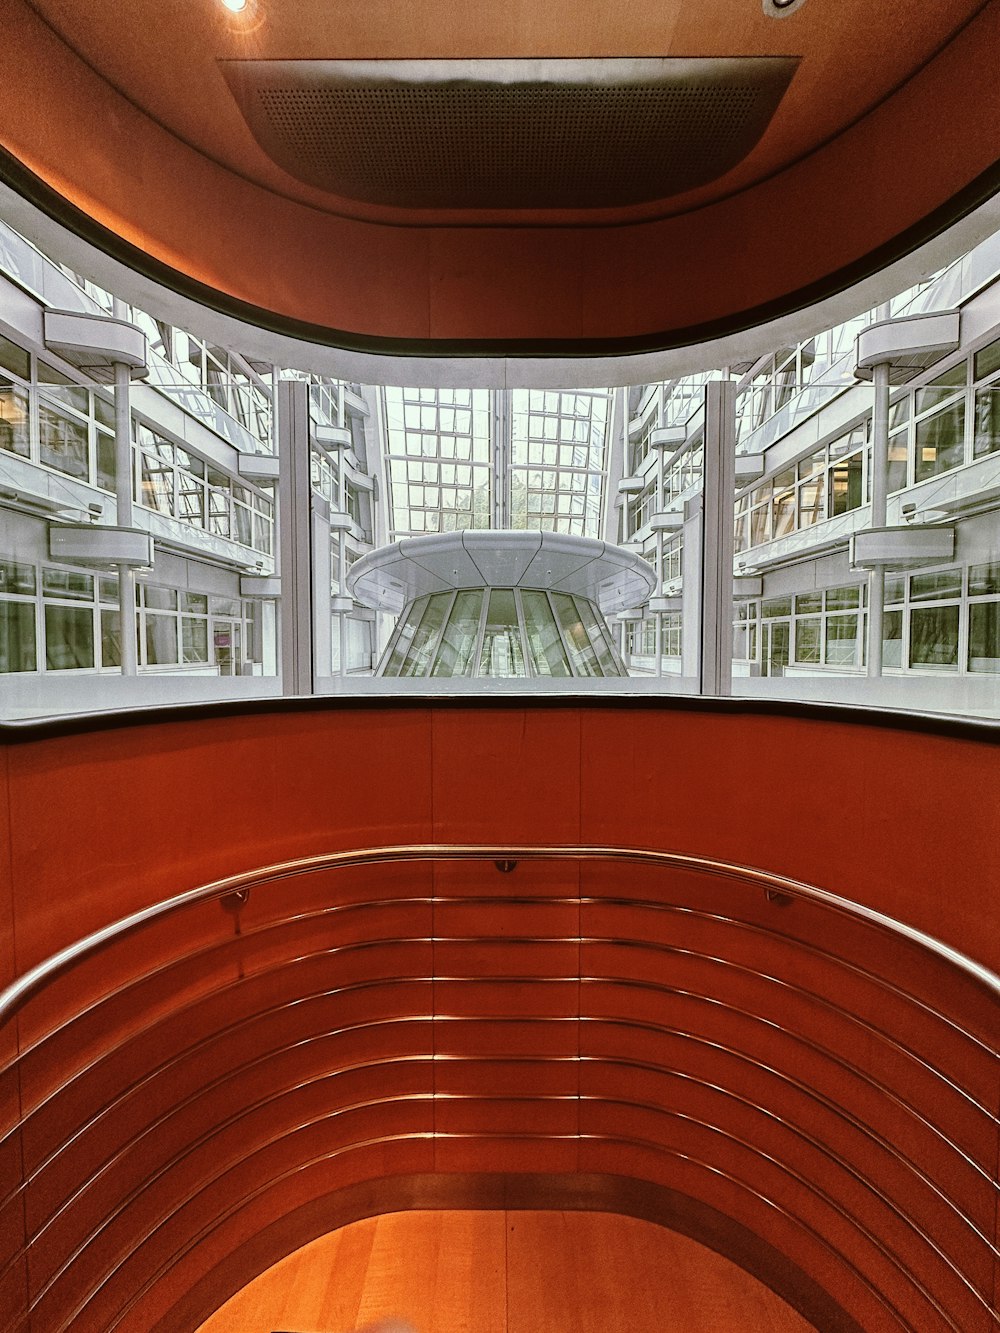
[{"x": 465, "y": 458}]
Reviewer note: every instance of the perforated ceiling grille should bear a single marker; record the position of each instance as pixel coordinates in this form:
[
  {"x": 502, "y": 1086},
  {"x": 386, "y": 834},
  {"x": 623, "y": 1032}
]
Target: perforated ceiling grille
[{"x": 489, "y": 142}]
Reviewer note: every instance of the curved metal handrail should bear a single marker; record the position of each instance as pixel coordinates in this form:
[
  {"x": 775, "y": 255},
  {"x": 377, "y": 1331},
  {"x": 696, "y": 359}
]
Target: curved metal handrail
[{"x": 19, "y": 992}]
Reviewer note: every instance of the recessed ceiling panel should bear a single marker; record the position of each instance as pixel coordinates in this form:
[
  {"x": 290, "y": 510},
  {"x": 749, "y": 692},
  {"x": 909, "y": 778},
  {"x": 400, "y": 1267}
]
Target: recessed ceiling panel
[{"x": 508, "y": 133}]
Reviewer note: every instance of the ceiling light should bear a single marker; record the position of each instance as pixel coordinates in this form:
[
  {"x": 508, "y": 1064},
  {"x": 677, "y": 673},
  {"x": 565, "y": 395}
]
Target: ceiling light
[{"x": 237, "y": 6}]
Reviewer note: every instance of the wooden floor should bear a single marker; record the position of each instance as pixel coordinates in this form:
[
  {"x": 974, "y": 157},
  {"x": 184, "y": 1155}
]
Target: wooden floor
[{"x": 496, "y": 1272}]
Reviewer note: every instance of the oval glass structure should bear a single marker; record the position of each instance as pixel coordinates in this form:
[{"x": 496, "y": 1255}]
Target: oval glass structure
[{"x": 501, "y": 633}]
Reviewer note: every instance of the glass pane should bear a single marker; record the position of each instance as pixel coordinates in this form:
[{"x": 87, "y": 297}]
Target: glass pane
[
  {"x": 244, "y": 525},
  {"x": 936, "y": 587},
  {"x": 810, "y": 501},
  {"x": 842, "y": 640},
  {"x": 548, "y": 657},
  {"x": 161, "y": 640},
  {"x": 984, "y": 636},
  {"x": 226, "y": 643},
  {"x": 983, "y": 580},
  {"x": 934, "y": 636},
  {"x": 940, "y": 441},
  {"x": 15, "y": 577},
  {"x": 842, "y": 599},
  {"x": 775, "y": 647},
  {"x": 502, "y": 653},
  {"x": 602, "y": 646},
  {"x": 575, "y": 636},
  {"x": 894, "y": 587},
  {"x": 107, "y": 469},
  {"x": 17, "y": 636},
  {"x": 845, "y": 485},
  {"x": 807, "y": 640},
  {"x": 111, "y": 639},
  {"x": 60, "y": 387},
  {"x": 67, "y": 583},
  {"x": 62, "y": 443},
  {"x": 986, "y": 429},
  {"x": 896, "y": 476},
  {"x": 104, "y": 411},
  {"x": 784, "y": 513},
  {"x": 69, "y": 637},
  {"x": 157, "y": 481},
  {"x": 160, "y": 599},
  {"x": 458, "y": 645},
  {"x": 14, "y": 435},
  {"x": 892, "y": 639},
  {"x": 262, "y": 531},
  {"x": 195, "y": 639},
  {"x": 190, "y": 499},
  {"x": 404, "y": 636},
  {"x": 987, "y": 361},
  {"x": 15, "y": 358}
]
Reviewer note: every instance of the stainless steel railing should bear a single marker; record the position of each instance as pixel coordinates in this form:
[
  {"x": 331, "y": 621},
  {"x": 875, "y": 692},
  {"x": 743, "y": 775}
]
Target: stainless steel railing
[{"x": 985, "y": 985}]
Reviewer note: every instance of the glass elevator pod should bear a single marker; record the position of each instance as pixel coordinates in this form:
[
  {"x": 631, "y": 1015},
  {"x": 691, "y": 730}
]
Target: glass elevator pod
[
  {"x": 501, "y": 604},
  {"x": 501, "y": 632}
]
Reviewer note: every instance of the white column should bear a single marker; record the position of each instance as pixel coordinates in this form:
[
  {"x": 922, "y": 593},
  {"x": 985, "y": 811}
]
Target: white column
[
  {"x": 879, "y": 488},
  {"x": 123, "y": 500},
  {"x": 718, "y": 488},
  {"x": 294, "y": 538},
  {"x": 659, "y": 579},
  {"x": 342, "y": 552}
]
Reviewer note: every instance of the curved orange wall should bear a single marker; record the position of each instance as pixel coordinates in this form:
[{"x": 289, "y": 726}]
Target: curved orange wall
[{"x": 107, "y": 821}]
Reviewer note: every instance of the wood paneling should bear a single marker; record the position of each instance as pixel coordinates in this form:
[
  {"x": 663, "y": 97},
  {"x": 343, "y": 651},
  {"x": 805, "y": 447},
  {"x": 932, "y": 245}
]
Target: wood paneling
[
  {"x": 655, "y": 1026},
  {"x": 507, "y": 1272}
]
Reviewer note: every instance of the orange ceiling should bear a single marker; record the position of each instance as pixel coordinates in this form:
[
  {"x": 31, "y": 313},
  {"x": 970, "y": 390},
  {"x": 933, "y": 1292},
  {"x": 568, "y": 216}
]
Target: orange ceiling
[
  {"x": 889, "y": 128},
  {"x": 163, "y": 55}
]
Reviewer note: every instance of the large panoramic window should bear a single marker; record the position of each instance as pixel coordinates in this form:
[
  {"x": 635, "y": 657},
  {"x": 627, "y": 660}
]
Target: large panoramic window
[{"x": 453, "y": 536}]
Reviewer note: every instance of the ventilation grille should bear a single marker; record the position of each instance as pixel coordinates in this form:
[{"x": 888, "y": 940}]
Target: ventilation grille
[{"x": 437, "y": 140}]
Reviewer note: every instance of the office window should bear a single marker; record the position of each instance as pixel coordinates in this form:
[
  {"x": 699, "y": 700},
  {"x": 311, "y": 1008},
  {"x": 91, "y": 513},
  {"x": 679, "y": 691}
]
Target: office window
[
  {"x": 984, "y": 617},
  {"x": 69, "y": 638},
  {"x": 156, "y": 472},
  {"x": 17, "y": 617},
  {"x": 986, "y": 408},
  {"x": 934, "y": 636},
  {"x": 939, "y": 441},
  {"x": 845, "y": 481},
  {"x": 15, "y": 435},
  {"x": 934, "y": 618},
  {"x": 63, "y": 443}
]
